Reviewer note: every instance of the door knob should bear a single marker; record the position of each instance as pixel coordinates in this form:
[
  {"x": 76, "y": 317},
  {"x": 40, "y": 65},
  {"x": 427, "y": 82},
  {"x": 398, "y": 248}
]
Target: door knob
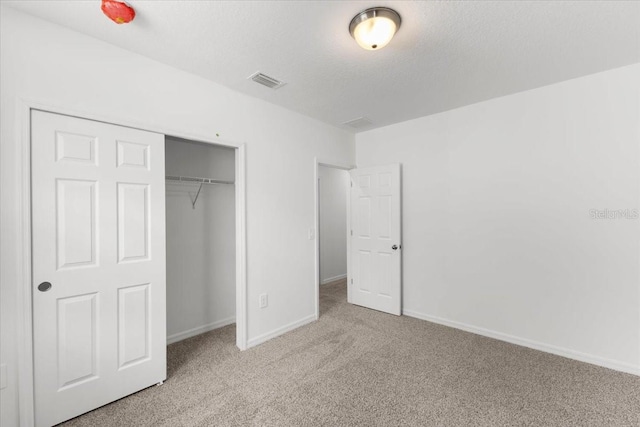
[
  {"x": 44, "y": 286},
  {"x": 394, "y": 247}
]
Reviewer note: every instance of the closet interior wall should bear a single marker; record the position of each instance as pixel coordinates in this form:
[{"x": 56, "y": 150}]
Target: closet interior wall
[{"x": 200, "y": 239}]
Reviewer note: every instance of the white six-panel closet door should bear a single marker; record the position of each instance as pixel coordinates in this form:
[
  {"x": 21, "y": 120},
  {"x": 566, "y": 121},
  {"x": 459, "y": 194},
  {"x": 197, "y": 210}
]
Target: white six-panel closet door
[{"x": 98, "y": 223}]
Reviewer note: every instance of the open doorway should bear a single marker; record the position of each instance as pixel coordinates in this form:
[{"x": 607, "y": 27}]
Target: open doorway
[
  {"x": 333, "y": 185},
  {"x": 373, "y": 237}
]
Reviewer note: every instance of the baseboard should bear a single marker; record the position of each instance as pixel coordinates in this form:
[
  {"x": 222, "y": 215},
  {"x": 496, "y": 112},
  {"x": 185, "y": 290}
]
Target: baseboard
[
  {"x": 559, "y": 351},
  {"x": 333, "y": 279},
  {"x": 200, "y": 330},
  {"x": 277, "y": 332}
]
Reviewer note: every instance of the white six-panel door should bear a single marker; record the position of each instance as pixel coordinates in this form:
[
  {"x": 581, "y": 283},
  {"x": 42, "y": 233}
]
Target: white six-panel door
[
  {"x": 98, "y": 219},
  {"x": 375, "y": 238}
]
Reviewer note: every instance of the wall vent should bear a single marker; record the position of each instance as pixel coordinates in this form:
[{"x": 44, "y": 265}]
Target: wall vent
[
  {"x": 267, "y": 81},
  {"x": 359, "y": 123}
]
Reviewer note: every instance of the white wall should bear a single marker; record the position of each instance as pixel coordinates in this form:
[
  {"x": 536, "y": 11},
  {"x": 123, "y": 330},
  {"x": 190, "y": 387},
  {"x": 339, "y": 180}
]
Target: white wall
[
  {"x": 497, "y": 232},
  {"x": 334, "y": 184},
  {"x": 189, "y": 158},
  {"x": 56, "y": 66},
  {"x": 201, "y": 244}
]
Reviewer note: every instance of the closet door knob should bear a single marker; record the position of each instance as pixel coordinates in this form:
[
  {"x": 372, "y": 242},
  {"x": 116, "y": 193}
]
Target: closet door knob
[
  {"x": 394, "y": 247},
  {"x": 44, "y": 286}
]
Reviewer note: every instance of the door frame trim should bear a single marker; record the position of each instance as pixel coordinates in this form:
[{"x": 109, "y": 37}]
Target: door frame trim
[
  {"x": 316, "y": 210},
  {"x": 24, "y": 308}
]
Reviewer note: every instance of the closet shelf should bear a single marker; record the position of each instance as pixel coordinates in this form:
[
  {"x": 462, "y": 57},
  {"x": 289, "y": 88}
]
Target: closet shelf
[{"x": 196, "y": 180}]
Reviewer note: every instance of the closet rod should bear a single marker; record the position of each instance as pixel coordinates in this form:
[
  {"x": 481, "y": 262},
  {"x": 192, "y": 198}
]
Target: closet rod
[{"x": 196, "y": 180}]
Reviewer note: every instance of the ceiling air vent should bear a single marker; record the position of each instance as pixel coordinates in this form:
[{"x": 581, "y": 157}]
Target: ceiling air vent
[
  {"x": 267, "y": 81},
  {"x": 359, "y": 123}
]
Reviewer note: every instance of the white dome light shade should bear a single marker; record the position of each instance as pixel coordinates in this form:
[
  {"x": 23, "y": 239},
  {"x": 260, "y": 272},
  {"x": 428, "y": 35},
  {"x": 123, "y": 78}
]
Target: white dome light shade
[{"x": 374, "y": 28}]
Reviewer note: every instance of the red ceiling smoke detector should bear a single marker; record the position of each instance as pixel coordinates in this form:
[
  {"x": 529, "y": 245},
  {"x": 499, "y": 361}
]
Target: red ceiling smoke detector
[{"x": 119, "y": 12}]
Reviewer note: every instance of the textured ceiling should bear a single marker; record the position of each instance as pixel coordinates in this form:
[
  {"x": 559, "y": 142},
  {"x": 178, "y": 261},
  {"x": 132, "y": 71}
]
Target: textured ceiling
[{"x": 446, "y": 54}]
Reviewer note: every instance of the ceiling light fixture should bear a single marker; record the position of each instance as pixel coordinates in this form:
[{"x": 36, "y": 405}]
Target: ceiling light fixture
[{"x": 374, "y": 28}]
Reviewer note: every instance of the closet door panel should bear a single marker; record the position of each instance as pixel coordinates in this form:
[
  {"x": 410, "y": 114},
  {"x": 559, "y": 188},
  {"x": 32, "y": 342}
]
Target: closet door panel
[
  {"x": 98, "y": 221},
  {"x": 133, "y": 155},
  {"x": 133, "y": 222},
  {"x": 133, "y": 325}
]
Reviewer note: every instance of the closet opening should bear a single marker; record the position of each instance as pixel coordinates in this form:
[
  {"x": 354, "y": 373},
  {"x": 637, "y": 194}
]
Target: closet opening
[{"x": 200, "y": 238}]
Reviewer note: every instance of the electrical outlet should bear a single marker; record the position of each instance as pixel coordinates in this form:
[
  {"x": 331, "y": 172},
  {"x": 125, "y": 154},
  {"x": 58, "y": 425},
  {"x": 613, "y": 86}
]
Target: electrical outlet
[
  {"x": 264, "y": 301},
  {"x": 3, "y": 376}
]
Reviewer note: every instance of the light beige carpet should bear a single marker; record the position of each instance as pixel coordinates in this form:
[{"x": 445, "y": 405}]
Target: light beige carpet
[{"x": 358, "y": 367}]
